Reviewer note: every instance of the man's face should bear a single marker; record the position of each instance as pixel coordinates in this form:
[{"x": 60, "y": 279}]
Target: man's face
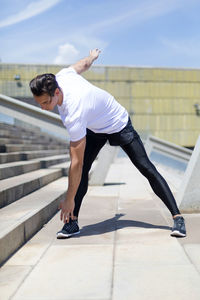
[{"x": 46, "y": 102}]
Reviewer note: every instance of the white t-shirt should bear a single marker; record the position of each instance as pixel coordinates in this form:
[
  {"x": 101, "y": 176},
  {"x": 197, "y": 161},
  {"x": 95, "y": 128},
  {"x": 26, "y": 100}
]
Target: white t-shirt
[{"x": 87, "y": 106}]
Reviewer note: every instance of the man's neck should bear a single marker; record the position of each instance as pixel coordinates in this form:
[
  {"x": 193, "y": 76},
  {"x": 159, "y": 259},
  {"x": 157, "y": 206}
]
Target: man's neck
[{"x": 60, "y": 99}]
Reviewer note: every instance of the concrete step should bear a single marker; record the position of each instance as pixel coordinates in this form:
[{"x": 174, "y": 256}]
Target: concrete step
[
  {"x": 21, "y": 167},
  {"x": 63, "y": 166},
  {"x": 14, "y": 188},
  {"x": 14, "y": 132},
  {"x": 22, "y": 219},
  {"x": 17, "y": 127},
  {"x": 28, "y": 155},
  {"x": 10, "y": 157},
  {"x": 35, "y": 140},
  {"x": 30, "y": 136},
  {"x": 13, "y": 128},
  {"x": 57, "y": 160},
  {"x": 20, "y": 147},
  {"x": 12, "y": 140}
]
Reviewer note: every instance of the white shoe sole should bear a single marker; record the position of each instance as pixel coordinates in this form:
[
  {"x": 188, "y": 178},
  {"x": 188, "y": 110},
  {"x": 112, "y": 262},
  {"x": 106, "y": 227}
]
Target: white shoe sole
[
  {"x": 177, "y": 233},
  {"x": 61, "y": 235}
]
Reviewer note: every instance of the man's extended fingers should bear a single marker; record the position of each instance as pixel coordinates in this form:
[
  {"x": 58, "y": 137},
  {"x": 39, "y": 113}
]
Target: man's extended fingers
[
  {"x": 61, "y": 215},
  {"x": 68, "y": 217}
]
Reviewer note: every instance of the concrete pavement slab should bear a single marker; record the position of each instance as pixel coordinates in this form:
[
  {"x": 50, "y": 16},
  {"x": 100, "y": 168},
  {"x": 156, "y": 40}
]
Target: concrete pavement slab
[
  {"x": 155, "y": 282},
  {"x": 193, "y": 251},
  {"x": 193, "y": 225},
  {"x": 144, "y": 236},
  {"x": 68, "y": 272},
  {"x": 28, "y": 255},
  {"x": 10, "y": 279},
  {"x": 104, "y": 191},
  {"x": 148, "y": 253},
  {"x": 98, "y": 207},
  {"x": 124, "y": 250}
]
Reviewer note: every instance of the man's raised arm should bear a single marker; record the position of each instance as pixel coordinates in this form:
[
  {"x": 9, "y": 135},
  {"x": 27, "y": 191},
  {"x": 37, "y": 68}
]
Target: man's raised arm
[{"x": 84, "y": 64}]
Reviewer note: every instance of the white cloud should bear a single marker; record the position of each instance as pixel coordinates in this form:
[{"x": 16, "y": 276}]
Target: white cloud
[
  {"x": 67, "y": 54},
  {"x": 78, "y": 45},
  {"x": 33, "y": 9}
]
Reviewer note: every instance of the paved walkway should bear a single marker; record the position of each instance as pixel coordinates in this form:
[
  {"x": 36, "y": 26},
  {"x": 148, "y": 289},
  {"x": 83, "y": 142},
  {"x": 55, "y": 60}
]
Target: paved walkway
[{"x": 124, "y": 251}]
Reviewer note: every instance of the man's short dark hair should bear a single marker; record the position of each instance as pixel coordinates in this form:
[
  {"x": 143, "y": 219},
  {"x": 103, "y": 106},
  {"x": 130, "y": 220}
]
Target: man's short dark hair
[{"x": 44, "y": 84}]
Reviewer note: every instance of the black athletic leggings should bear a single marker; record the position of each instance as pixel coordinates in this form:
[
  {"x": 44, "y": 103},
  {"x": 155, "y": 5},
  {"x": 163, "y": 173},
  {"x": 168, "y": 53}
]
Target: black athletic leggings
[{"x": 137, "y": 154}]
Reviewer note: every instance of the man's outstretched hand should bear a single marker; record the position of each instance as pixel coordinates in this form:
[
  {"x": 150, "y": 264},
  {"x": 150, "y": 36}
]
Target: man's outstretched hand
[
  {"x": 95, "y": 53},
  {"x": 67, "y": 208}
]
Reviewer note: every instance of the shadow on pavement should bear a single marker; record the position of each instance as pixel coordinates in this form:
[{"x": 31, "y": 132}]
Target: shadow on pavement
[{"x": 114, "y": 223}]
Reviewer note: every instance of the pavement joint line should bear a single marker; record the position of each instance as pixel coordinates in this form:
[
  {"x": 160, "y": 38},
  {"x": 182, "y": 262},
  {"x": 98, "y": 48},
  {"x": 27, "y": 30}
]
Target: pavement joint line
[
  {"x": 117, "y": 204},
  {"x": 190, "y": 260},
  {"x": 13, "y": 294},
  {"x": 31, "y": 266},
  {"x": 114, "y": 253},
  {"x": 164, "y": 214}
]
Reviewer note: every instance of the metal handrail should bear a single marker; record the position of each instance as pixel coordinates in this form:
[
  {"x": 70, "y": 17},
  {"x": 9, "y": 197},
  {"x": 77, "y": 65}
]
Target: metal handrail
[{"x": 32, "y": 115}]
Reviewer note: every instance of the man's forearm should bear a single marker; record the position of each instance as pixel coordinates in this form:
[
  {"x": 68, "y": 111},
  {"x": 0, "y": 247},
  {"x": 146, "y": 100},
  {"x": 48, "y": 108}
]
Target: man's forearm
[
  {"x": 74, "y": 178},
  {"x": 85, "y": 63}
]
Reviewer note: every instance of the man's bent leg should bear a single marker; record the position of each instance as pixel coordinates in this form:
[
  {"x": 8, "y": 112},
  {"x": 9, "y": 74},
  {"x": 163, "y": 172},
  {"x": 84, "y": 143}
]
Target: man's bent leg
[
  {"x": 136, "y": 152},
  {"x": 93, "y": 146}
]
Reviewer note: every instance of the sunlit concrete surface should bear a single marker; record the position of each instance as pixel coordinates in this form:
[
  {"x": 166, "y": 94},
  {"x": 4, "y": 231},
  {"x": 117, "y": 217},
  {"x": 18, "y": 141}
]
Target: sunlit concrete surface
[{"x": 124, "y": 250}]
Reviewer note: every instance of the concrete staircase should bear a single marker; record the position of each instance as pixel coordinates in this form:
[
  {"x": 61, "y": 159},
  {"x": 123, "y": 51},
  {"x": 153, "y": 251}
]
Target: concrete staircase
[{"x": 33, "y": 179}]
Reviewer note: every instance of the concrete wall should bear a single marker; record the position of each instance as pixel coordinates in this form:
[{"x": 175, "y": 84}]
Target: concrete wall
[{"x": 161, "y": 101}]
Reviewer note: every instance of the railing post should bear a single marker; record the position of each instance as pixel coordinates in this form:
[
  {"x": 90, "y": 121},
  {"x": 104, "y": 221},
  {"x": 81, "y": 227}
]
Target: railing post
[
  {"x": 105, "y": 158},
  {"x": 188, "y": 196}
]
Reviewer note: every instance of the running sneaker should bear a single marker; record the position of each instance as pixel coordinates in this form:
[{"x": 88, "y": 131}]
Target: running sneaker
[
  {"x": 68, "y": 230},
  {"x": 179, "y": 227}
]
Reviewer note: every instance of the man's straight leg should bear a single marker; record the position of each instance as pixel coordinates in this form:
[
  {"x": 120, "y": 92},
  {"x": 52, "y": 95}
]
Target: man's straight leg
[
  {"x": 93, "y": 146},
  {"x": 138, "y": 156},
  {"x": 136, "y": 152}
]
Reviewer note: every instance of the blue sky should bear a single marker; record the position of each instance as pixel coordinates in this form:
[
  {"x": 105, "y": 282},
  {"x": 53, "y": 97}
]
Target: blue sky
[{"x": 159, "y": 33}]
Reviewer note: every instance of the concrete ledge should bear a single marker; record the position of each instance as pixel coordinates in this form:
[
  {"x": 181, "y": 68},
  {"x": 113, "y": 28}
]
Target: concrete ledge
[{"x": 154, "y": 143}]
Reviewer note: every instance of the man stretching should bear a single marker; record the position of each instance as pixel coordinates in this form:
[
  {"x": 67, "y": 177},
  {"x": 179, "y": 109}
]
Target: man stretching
[{"x": 92, "y": 117}]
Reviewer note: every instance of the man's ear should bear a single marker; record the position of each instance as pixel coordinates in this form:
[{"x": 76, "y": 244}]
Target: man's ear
[{"x": 57, "y": 92}]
